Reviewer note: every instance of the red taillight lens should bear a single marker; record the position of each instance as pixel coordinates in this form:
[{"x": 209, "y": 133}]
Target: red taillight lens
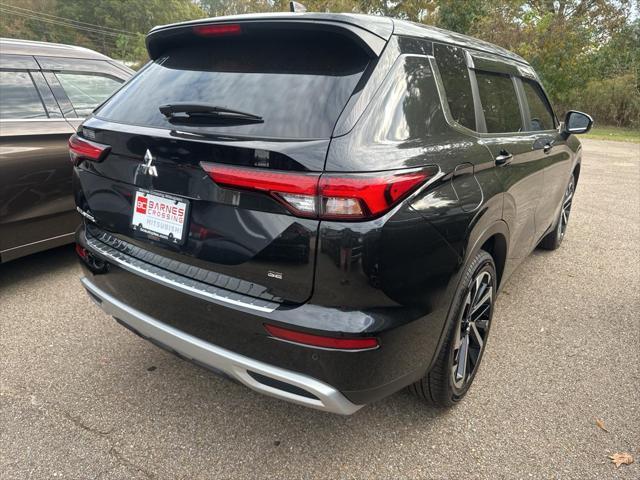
[
  {"x": 297, "y": 191},
  {"x": 263, "y": 180},
  {"x": 218, "y": 30},
  {"x": 364, "y": 195},
  {"x": 329, "y": 195},
  {"x": 83, "y": 149},
  {"x": 364, "y": 343}
]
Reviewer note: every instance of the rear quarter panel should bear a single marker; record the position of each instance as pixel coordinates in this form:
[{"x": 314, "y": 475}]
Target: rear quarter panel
[{"x": 403, "y": 268}]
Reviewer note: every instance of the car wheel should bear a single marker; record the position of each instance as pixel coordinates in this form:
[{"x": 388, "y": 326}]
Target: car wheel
[
  {"x": 554, "y": 238},
  {"x": 467, "y": 332}
]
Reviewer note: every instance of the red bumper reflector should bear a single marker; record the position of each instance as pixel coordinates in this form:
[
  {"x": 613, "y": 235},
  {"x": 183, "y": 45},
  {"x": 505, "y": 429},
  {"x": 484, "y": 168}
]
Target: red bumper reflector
[
  {"x": 218, "y": 30},
  {"x": 83, "y": 149},
  {"x": 322, "y": 341},
  {"x": 81, "y": 251}
]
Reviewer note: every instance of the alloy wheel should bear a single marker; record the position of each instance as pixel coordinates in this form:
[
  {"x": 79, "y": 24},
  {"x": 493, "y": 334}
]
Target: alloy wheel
[
  {"x": 473, "y": 329},
  {"x": 566, "y": 207}
]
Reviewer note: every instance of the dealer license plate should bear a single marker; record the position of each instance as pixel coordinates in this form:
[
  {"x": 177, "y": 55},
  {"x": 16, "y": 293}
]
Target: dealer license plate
[{"x": 160, "y": 215}]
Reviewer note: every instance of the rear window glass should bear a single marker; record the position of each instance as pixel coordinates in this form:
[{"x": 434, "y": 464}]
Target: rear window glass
[
  {"x": 499, "y": 102},
  {"x": 298, "y": 83}
]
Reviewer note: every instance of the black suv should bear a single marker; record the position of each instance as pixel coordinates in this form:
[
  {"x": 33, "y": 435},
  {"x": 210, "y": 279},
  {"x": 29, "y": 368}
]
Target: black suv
[{"x": 321, "y": 206}]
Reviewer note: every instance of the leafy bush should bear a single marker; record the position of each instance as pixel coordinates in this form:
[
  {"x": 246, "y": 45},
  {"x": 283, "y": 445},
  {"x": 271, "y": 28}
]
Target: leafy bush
[{"x": 612, "y": 101}]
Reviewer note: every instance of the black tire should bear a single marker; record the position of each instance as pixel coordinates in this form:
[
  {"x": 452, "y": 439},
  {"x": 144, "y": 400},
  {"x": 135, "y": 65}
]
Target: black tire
[
  {"x": 553, "y": 239},
  {"x": 439, "y": 386}
]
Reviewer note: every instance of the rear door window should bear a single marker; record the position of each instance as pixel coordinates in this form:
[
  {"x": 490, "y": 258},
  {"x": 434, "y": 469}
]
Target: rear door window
[
  {"x": 455, "y": 77},
  {"x": 19, "y": 98},
  {"x": 540, "y": 114},
  {"x": 298, "y": 84},
  {"x": 499, "y": 102},
  {"x": 86, "y": 91}
]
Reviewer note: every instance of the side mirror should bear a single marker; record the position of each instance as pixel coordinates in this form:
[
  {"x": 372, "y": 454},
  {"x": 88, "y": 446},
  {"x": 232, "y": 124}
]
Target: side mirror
[{"x": 577, "y": 122}]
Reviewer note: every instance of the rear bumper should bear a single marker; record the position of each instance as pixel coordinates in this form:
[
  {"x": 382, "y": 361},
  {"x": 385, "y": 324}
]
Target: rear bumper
[
  {"x": 285, "y": 384},
  {"x": 233, "y": 323}
]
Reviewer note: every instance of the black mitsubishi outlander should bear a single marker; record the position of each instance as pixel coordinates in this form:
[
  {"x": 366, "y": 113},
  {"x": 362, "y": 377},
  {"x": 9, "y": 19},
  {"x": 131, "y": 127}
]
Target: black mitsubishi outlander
[{"x": 321, "y": 206}]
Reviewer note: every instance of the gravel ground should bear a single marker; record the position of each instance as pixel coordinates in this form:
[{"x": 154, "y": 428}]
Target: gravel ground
[{"x": 81, "y": 397}]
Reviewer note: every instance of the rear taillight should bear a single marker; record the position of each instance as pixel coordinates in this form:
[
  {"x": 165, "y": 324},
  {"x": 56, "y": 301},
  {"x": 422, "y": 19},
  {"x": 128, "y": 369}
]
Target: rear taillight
[
  {"x": 218, "y": 30},
  {"x": 328, "y": 196},
  {"x": 339, "y": 343},
  {"x": 296, "y": 190},
  {"x": 367, "y": 195},
  {"x": 83, "y": 149}
]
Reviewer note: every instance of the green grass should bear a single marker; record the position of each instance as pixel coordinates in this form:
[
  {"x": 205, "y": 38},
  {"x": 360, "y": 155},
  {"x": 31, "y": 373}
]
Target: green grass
[{"x": 621, "y": 134}]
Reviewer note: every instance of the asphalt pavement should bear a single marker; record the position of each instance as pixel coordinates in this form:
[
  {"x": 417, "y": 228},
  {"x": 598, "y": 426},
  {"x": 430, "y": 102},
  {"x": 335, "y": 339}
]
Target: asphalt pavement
[{"x": 81, "y": 397}]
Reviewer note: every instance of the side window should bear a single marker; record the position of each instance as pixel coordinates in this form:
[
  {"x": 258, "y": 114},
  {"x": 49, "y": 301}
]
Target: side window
[
  {"x": 541, "y": 116},
  {"x": 409, "y": 104},
  {"x": 86, "y": 90},
  {"x": 452, "y": 65},
  {"x": 19, "y": 98},
  {"x": 499, "y": 102}
]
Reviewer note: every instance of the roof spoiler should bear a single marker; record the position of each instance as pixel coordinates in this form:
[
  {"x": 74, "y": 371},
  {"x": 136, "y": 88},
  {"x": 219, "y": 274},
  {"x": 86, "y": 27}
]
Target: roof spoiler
[{"x": 372, "y": 37}]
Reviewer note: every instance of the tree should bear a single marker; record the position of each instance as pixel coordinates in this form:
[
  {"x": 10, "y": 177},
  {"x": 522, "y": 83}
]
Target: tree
[
  {"x": 460, "y": 15},
  {"x": 219, "y": 8},
  {"x": 113, "y": 27},
  {"x": 557, "y": 37},
  {"x": 570, "y": 43}
]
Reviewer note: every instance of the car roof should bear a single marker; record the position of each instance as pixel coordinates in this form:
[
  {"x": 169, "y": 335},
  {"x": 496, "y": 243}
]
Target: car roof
[
  {"x": 403, "y": 27},
  {"x": 29, "y": 47},
  {"x": 381, "y": 26}
]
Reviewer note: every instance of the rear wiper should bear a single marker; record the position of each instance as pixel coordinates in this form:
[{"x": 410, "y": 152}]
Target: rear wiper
[{"x": 203, "y": 112}]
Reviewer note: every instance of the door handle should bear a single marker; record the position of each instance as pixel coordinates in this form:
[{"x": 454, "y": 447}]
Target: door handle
[
  {"x": 504, "y": 158},
  {"x": 547, "y": 147}
]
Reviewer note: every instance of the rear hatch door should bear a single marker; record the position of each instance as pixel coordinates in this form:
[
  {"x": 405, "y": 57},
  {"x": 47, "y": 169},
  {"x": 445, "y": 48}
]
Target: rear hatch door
[{"x": 258, "y": 99}]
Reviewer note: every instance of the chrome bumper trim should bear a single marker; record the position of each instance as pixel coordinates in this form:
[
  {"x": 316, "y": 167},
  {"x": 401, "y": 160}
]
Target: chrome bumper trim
[
  {"x": 178, "y": 282},
  {"x": 237, "y": 366},
  {"x": 86, "y": 215}
]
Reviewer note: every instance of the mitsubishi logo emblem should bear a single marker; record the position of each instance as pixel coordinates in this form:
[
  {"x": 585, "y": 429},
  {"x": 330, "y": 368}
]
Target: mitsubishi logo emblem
[{"x": 147, "y": 167}]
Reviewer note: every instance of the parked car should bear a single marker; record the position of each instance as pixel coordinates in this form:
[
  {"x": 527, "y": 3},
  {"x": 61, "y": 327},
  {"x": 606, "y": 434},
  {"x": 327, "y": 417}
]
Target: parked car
[
  {"x": 46, "y": 90},
  {"x": 420, "y": 166}
]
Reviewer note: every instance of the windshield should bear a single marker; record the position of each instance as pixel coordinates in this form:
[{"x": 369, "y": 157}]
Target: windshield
[{"x": 297, "y": 84}]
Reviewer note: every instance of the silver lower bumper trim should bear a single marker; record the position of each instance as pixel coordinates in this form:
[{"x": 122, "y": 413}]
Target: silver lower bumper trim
[{"x": 237, "y": 366}]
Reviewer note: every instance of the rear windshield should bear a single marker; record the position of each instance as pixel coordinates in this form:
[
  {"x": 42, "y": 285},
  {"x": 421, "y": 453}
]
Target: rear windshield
[{"x": 298, "y": 82}]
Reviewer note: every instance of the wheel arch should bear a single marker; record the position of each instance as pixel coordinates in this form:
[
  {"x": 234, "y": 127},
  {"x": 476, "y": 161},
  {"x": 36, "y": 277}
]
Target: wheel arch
[
  {"x": 494, "y": 240},
  {"x": 494, "y": 236},
  {"x": 576, "y": 171}
]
